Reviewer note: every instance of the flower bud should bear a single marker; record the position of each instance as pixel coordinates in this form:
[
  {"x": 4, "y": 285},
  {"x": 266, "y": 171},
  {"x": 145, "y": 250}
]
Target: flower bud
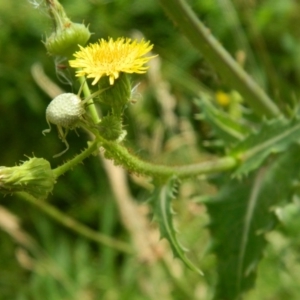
[
  {"x": 64, "y": 42},
  {"x": 34, "y": 176},
  {"x": 67, "y": 36}
]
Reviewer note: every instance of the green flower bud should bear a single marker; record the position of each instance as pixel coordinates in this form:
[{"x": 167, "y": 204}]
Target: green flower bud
[
  {"x": 34, "y": 176},
  {"x": 117, "y": 95},
  {"x": 64, "y": 42},
  {"x": 67, "y": 36},
  {"x": 111, "y": 127}
]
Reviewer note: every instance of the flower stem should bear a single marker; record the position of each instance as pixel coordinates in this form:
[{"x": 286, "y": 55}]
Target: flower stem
[
  {"x": 121, "y": 156},
  {"x": 220, "y": 59},
  {"x": 74, "y": 225},
  {"x": 76, "y": 160},
  {"x": 91, "y": 106}
]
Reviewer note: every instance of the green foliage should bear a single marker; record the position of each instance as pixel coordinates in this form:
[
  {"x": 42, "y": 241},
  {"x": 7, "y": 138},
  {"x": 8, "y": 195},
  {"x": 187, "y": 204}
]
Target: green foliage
[
  {"x": 227, "y": 128},
  {"x": 273, "y": 137},
  {"x": 161, "y": 202},
  {"x": 253, "y": 209},
  {"x": 241, "y": 213}
]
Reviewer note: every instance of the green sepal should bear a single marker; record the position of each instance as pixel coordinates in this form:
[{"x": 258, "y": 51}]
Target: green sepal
[
  {"x": 110, "y": 127},
  {"x": 116, "y": 95}
]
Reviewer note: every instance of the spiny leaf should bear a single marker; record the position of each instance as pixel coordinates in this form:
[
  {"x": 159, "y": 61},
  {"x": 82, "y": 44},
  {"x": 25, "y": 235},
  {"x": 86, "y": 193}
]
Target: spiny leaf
[
  {"x": 163, "y": 213},
  {"x": 273, "y": 137},
  {"x": 240, "y": 216},
  {"x": 227, "y": 128}
]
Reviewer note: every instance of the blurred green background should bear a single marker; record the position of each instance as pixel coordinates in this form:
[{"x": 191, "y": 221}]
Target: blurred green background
[{"x": 161, "y": 128}]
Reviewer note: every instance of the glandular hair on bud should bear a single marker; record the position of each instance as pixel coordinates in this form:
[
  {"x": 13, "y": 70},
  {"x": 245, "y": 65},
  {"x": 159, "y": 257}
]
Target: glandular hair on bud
[{"x": 33, "y": 176}]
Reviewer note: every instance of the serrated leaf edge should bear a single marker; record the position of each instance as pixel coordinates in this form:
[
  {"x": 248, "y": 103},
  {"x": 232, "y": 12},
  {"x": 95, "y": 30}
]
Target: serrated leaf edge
[{"x": 165, "y": 199}]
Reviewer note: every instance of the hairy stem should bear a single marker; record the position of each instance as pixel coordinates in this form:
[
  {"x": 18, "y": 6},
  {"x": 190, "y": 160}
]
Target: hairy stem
[
  {"x": 219, "y": 58},
  {"x": 120, "y": 155},
  {"x": 92, "y": 147}
]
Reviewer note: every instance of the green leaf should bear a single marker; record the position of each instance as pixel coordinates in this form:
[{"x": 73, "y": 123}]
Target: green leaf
[
  {"x": 273, "y": 137},
  {"x": 163, "y": 213},
  {"x": 241, "y": 214},
  {"x": 226, "y": 127}
]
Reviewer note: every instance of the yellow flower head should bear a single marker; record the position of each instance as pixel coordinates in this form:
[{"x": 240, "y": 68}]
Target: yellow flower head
[
  {"x": 222, "y": 98},
  {"x": 109, "y": 58}
]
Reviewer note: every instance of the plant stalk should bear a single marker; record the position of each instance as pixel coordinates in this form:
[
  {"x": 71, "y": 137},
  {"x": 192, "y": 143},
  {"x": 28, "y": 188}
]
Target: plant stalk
[
  {"x": 120, "y": 155},
  {"x": 74, "y": 225},
  {"x": 231, "y": 72},
  {"x": 91, "y": 106}
]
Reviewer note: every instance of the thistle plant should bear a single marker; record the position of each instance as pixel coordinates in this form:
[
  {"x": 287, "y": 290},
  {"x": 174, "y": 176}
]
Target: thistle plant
[{"x": 255, "y": 171}]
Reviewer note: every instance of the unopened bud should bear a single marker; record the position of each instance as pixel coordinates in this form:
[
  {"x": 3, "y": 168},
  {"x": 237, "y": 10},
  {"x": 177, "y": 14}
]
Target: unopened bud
[
  {"x": 34, "y": 176},
  {"x": 67, "y": 36},
  {"x": 64, "y": 42}
]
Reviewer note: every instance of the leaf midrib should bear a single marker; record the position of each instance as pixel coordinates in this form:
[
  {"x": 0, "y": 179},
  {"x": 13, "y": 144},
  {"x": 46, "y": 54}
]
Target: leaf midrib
[
  {"x": 251, "y": 206},
  {"x": 246, "y": 155}
]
